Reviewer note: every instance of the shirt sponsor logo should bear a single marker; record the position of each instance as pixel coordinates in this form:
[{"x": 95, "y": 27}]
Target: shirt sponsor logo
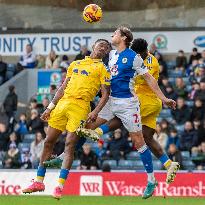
[
  {"x": 84, "y": 72},
  {"x": 124, "y": 60}
]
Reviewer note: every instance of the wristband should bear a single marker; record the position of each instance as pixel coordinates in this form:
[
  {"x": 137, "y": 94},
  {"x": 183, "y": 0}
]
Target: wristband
[{"x": 51, "y": 106}]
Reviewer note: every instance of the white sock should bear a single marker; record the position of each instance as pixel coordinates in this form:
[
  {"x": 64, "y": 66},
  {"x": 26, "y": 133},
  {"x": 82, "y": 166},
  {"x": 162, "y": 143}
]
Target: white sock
[
  {"x": 151, "y": 177},
  {"x": 61, "y": 156}
]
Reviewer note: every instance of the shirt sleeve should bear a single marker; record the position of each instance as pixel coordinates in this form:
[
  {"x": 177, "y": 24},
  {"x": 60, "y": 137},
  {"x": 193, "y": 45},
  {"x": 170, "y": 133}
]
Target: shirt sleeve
[
  {"x": 139, "y": 66},
  {"x": 104, "y": 76},
  {"x": 70, "y": 70}
]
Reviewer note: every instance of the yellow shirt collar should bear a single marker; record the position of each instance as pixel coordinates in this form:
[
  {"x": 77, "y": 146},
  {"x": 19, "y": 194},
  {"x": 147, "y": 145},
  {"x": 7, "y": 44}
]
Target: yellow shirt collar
[{"x": 91, "y": 59}]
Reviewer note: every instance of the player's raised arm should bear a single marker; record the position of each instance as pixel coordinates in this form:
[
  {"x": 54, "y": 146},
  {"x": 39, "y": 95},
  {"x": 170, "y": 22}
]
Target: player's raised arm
[{"x": 151, "y": 81}]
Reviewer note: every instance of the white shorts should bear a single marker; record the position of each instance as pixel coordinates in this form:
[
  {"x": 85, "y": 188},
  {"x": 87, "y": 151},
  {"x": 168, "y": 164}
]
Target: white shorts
[{"x": 126, "y": 109}]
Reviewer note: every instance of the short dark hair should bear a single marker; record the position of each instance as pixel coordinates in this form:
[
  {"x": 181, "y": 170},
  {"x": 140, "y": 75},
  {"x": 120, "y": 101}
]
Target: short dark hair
[
  {"x": 11, "y": 88},
  {"x": 195, "y": 49},
  {"x": 105, "y": 40},
  {"x": 125, "y": 31},
  {"x": 139, "y": 45}
]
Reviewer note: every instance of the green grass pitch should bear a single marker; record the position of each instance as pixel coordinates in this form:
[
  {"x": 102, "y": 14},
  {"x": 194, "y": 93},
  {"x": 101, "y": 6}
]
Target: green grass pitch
[{"x": 110, "y": 200}]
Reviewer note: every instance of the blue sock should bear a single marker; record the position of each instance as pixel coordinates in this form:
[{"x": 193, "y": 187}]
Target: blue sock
[
  {"x": 164, "y": 159},
  {"x": 63, "y": 176},
  {"x": 80, "y": 143},
  {"x": 40, "y": 173},
  {"x": 146, "y": 158},
  {"x": 105, "y": 128}
]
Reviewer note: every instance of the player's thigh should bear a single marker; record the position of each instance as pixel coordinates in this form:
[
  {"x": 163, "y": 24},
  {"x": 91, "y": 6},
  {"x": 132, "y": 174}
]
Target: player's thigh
[
  {"x": 93, "y": 125},
  {"x": 106, "y": 112},
  {"x": 128, "y": 111},
  {"x": 52, "y": 135},
  {"x": 58, "y": 119},
  {"x": 71, "y": 139},
  {"x": 75, "y": 116}
]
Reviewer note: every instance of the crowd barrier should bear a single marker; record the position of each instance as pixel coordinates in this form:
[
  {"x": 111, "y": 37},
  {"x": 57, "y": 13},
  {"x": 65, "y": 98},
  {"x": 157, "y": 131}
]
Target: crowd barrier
[{"x": 122, "y": 183}]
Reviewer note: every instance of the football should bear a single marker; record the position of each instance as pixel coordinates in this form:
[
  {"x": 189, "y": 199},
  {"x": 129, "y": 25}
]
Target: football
[{"x": 92, "y": 13}]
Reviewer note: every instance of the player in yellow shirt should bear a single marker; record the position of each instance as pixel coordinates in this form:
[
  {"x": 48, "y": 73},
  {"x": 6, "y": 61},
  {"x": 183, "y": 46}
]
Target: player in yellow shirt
[{"x": 70, "y": 106}]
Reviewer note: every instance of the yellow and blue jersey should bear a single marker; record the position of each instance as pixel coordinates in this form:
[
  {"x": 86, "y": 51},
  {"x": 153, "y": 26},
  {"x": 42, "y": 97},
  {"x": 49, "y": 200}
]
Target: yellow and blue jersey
[
  {"x": 141, "y": 86},
  {"x": 86, "y": 76}
]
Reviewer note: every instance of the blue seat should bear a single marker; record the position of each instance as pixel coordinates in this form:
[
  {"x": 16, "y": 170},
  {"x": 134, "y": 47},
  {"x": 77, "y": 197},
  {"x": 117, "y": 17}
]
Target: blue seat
[
  {"x": 138, "y": 165},
  {"x": 23, "y": 145},
  {"x": 165, "y": 113},
  {"x": 186, "y": 81},
  {"x": 134, "y": 155},
  {"x": 189, "y": 88},
  {"x": 190, "y": 103},
  {"x": 75, "y": 164},
  {"x": 112, "y": 163},
  {"x": 125, "y": 164},
  {"x": 180, "y": 128},
  {"x": 171, "y": 64},
  {"x": 11, "y": 69},
  {"x": 175, "y": 73},
  {"x": 188, "y": 165},
  {"x": 28, "y": 138},
  {"x": 185, "y": 155},
  {"x": 157, "y": 165}
]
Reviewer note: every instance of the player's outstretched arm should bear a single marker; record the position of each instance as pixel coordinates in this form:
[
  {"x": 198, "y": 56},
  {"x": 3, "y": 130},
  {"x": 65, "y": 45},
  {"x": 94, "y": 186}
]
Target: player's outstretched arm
[
  {"x": 105, "y": 91},
  {"x": 151, "y": 81},
  {"x": 59, "y": 94}
]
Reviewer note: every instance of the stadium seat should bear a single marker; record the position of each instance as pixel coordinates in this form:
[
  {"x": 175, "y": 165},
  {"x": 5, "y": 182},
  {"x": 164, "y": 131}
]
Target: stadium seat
[
  {"x": 189, "y": 88},
  {"x": 172, "y": 80},
  {"x": 186, "y": 81},
  {"x": 134, "y": 155},
  {"x": 165, "y": 113},
  {"x": 157, "y": 165},
  {"x": 171, "y": 65},
  {"x": 188, "y": 165},
  {"x": 190, "y": 103},
  {"x": 180, "y": 128},
  {"x": 138, "y": 165},
  {"x": 175, "y": 73},
  {"x": 11, "y": 69},
  {"x": 112, "y": 163},
  {"x": 185, "y": 155},
  {"x": 23, "y": 145},
  {"x": 28, "y": 138},
  {"x": 75, "y": 164},
  {"x": 125, "y": 164}
]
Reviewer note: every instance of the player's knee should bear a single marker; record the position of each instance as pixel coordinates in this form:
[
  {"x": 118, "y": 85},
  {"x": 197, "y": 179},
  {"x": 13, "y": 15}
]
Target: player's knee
[{"x": 48, "y": 142}]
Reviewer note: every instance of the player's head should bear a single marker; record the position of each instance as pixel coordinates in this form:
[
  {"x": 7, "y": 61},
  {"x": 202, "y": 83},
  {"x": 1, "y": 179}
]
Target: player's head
[
  {"x": 100, "y": 48},
  {"x": 122, "y": 35},
  {"x": 140, "y": 46}
]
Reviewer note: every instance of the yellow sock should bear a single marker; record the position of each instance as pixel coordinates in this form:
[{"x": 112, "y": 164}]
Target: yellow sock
[
  {"x": 39, "y": 179},
  {"x": 99, "y": 131},
  {"x": 167, "y": 163}
]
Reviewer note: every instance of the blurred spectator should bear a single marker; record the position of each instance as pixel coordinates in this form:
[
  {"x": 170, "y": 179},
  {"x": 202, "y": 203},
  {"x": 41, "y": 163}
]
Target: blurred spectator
[
  {"x": 170, "y": 93},
  {"x": 194, "y": 56},
  {"x": 195, "y": 86},
  {"x": 100, "y": 151},
  {"x": 201, "y": 132},
  {"x": 161, "y": 61},
  {"x": 181, "y": 61},
  {"x": 83, "y": 52},
  {"x": 3, "y": 68},
  {"x": 153, "y": 49},
  {"x": 26, "y": 159},
  {"x": 164, "y": 84},
  {"x": 21, "y": 126},
  {"x": 45, "y": 103},
  {"x": 160, "y": 136},
  {"x": 199, "y": 72},
  {"x": 52, "y": 60},
  {"x": 180, "y": 88},
  {"x": 191, "y": 68},
  {"x": 28, "y": 60},
  {"x": 118, "y": 146},
  {"x": 175, "y": 155},
  {"x": 188, "y": 137},
  {"x": 12, "y": 158},
  {"x": 3, "y": 137},
  {"x": 36, "y": 149},
  {"x": 198, "y": 156},
  {"x": 12, "y": 140},
  {"x": 203, "y": 56},
  {"x": 88, "y": 159},
  {"x": 41, "y": 61},
  {"x": 182, "y": 112},
  {"x": 10, "y": 102},
  {"x": 198, "y": 110},
  {"x": 165, "y": 126},
  {"x": 162, "y": 71},
  {"x": 35, "y": 124},
  {"x": 173, "y": 139},
  {"x": 53, "y": 90},
  {"x": 60, "y": 144},
  {"x": 200, "y": 94},
  {"x": 65, "y": 62}
]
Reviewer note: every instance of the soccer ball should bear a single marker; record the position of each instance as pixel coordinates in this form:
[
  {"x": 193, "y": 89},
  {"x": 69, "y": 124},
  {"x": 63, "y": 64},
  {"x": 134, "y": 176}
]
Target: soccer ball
[{"x": 92, "y": 13}]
